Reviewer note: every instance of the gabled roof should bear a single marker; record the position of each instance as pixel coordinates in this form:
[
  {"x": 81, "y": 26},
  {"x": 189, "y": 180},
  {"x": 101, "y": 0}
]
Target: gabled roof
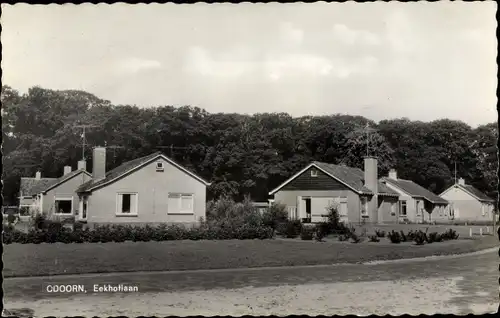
[
  {"x": 131, "y": 166},
  {"x": 415, "y": 190},
  {"x": 480, "y": 196},
  {"x": 30, "y": 186},
  {"x": 353, "y": 178},
  {"x": 61, "y": 180}
]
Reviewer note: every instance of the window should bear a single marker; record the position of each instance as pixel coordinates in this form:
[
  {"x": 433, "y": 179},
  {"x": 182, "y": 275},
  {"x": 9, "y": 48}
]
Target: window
[
  {"x": 483, "y": 209},
  {"x": 417, "y": 208},
  {"x": 403, "y": 208},
  {"x": 364, "y": 206},
  {"x": 84, "y": 208},
  {"x": 126, "y": 204},
  {"x": 314, "y": 173},
  {"x": 159, "y": 166},
  {"x": 180, "y": 203},
  {"x": 63, "y": 205},
  {"x": 393, "y": 209}
]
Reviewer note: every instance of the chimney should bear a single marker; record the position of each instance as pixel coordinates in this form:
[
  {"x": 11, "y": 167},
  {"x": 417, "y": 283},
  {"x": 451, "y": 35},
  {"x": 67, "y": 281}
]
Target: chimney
[
  {"x": 67, "y": 169},
  {"x": 461, "y": 181},
  {"x": 38, "y": 175},
  {"x": 99, "y": 163},
  {"x": 393, "y": 174},
  {"x": 371, "y": 182},
  {"x": 82, "y": 165}
]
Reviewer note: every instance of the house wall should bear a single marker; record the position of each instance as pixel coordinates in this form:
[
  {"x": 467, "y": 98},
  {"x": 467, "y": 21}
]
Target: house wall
[
  {"x": 384, "y": 209},
  {"x": 290, "y": 199},
  {"x": 66, "y": 189},
  {"x": 411, "y": 213},
  {"x": 152, "y": 188},
  {"x": 466, "y": 207}
]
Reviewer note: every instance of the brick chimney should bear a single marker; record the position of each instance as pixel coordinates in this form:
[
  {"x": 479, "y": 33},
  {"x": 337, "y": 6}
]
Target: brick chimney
[
  {"x": 393, "y": 174},
  {"x": 82, "y": 165},
  {"x": 99, "y": 163},
  {"x": 461, "y": 181},
  {"x": 371, "y": 182},
  {"x": 67, "y": 169},
  {"x": 38, "y": 175}
]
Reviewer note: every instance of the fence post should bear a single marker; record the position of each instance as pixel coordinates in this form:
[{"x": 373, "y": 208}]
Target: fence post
[
  {"x": 481, "y": 231},
  {"x": 470, "y": 232}
]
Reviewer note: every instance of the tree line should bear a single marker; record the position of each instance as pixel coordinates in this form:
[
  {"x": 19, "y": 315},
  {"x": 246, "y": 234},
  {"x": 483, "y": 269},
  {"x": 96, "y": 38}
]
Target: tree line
[{"x": 240, "y": 154}]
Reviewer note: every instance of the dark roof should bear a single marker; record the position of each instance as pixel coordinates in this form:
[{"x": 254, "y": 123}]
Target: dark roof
[
  {"x": 475, "y": 192},
  {"x": 125, "y": 168},
  {"x": 415, "y": 190},
  {"x": 62, "y": 179},
  {"x": 353, "y": 177},
  {"x": 31, "y": 186}
]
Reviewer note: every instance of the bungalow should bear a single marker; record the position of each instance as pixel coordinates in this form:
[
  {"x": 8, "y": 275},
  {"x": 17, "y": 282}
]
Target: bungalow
[
  {"x": 416, "y": 203},
  {"x": 149, "y": 189},
  {"x": 59, "y": 196},
  {"x": 359, "y": 196},
  {"x": 466, "y": 203},
  {"x": 27, "y": 190}
]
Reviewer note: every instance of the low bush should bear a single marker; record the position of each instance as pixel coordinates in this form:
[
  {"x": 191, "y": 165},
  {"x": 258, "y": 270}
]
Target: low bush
[
  {"x": 319, "y": 233},
  {"x": 449, "y": 235},
  {"x": 394, "y": 237},
  {"x": 344, "y": 237},
  {"x": 380, "y": 233},
  {"x": 307, "y": 233},
  {"x": 419, "y": 238},
  {"x": 275, "y": 215},
  {"x": 290, "y": 229},
  {"x": 374, "y": 238},
  {"x": 434, "y": 237}
]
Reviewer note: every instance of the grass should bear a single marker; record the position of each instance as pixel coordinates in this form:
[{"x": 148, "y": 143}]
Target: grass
[{"x": 56, "y": 259}]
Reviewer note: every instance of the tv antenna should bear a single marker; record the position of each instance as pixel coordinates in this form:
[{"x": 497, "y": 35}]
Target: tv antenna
[{"x": 83, "y": 136}]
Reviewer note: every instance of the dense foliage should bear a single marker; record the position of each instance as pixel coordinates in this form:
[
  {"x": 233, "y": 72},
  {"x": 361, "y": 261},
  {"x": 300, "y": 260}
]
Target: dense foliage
[{"x": 240, "y": 154}]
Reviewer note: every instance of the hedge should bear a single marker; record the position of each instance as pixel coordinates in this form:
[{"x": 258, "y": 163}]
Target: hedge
[{"x": 122, "y": 233}]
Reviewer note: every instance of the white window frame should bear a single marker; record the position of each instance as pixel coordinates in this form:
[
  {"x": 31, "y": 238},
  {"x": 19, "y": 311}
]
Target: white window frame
[
  {"x": 63, "y": 198},
  {"x": 179, "y": 211},
  {"x": 364, "y": 206},
  {"x": 483, "y": 209},
  {"x": 393, "y": 209},
  {"x": 118, "y": 211},
  {"x": 417, "y": 207},
  {"x": 160, "y": 166},
  {"x": 314, "y": 173},
  {"x": 403, "y": 202}
]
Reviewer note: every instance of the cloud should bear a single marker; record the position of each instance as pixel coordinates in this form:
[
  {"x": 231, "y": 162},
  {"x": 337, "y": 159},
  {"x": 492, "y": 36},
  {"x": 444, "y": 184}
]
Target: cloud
[
  {"x": 135, "y": 65},
  {"x": 232, "y": 64},
  {"x": 351, "y": 36},
  {"x": 292, "y": 34}
]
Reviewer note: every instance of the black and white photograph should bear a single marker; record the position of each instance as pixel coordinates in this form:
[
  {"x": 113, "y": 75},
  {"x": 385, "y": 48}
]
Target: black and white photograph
[{"x": 249, "y": 159}]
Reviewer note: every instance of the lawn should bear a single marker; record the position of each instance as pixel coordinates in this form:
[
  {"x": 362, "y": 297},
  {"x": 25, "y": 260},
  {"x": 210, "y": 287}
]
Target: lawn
[{"x": 55, "y": 259}]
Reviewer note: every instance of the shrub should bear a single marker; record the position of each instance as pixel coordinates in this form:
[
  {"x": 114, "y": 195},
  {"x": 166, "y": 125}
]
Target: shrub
[
  {"x": 403, "y": 236},
  {"x": 380, "y": 233},
  {"x": 292, "y": 229},
  {"x": 374, "y": 238},
  {"x": 434, "y": 237},
  {"x": 11, "y": 218},
  {"x": 320, "y": 232},
  {"x": 450, "y": 235},
  {"x": 275, "y": 215},
  {"x": 307, "y": 233},
  {"x": 419, "y": 238},
  {"x": 394, "y": 237},
  {"x": 344, "y": 237}
]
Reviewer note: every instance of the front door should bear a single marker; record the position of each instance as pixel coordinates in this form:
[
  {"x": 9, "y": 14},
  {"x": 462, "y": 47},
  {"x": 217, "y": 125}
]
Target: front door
[
  {"x": 307, "y": 205},
  {"x": 82, "y": 215}
]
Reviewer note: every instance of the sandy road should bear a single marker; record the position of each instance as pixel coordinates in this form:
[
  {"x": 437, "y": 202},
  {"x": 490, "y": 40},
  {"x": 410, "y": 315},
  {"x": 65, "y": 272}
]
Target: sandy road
[{"x": 460, "y": 285}]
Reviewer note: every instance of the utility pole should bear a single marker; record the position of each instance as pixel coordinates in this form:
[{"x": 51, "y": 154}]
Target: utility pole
[{"x": 83, "y": 136}]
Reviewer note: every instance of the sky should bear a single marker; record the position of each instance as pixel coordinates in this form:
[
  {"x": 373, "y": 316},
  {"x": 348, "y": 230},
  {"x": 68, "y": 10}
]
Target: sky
[{"x": 422, "y": 60}]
